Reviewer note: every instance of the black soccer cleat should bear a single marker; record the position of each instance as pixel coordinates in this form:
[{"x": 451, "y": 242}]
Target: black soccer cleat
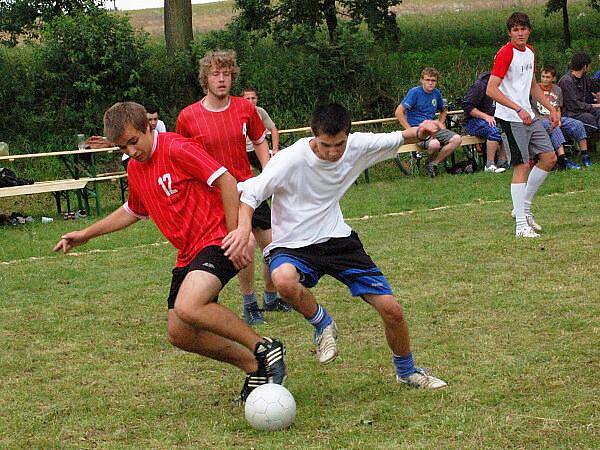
[
  {"x": 252, "y": 381},
  {"x": 270, "y": 355}
]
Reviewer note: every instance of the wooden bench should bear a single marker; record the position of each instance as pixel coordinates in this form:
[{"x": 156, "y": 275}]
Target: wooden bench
[{"x": 80, "y": 164}]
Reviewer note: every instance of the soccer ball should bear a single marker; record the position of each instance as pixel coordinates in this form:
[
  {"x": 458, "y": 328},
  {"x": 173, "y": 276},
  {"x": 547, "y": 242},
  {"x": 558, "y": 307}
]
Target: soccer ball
[{"x": 270, "y": 407}]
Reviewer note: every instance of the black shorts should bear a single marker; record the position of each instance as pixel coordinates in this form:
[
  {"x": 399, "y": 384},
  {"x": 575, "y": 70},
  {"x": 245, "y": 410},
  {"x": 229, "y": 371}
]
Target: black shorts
[
  {"x": 262, "y": 217},
  {"x": 210, "y": 259},
  {"x": 254, "y": 162},
  {"x": 345, "y": 259}
]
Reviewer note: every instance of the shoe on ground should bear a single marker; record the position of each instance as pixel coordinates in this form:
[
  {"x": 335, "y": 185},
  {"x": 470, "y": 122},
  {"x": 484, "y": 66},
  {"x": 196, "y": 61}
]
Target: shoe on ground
[
  {"x": 278, "y": 305},
  {"x": 421, "y": 379},
  {"x": 494, "y": 169},
  {"x": 253, "y": 315},
  {"x": 326, "y": 344},
  {"x": 532, "y": 223},
  {"x": 526, "y": 232},
  {"x": 252, "y": 381},
  {"x": 586, "y": 160},
  {"x": 571, "y": 165},
  {"x": 270, "y": 355},
  {"x": 503, "y": 165},
  {"x": 431, "y": 169}
]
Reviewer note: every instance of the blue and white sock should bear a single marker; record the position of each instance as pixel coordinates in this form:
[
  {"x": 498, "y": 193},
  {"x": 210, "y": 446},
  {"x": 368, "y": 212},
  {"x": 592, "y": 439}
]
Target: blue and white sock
[
  {"x": 404, "y": 365},
  {"x": 250, "y": 300},
  {"x": 270, "y": 297},
  {"x": 320, "y": 320}
]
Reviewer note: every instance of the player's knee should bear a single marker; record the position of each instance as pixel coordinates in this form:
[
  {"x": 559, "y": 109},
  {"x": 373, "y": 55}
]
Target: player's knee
[
  {"x": 285, "y": 279},
  {"x": 434, "y": 145},
  {"x": 455, "y": 140},
  {"x": 391, "y": 312}
]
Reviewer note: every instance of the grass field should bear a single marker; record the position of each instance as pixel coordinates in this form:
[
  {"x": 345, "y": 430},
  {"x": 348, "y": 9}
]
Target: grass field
[{"x": 512, "y": 325}]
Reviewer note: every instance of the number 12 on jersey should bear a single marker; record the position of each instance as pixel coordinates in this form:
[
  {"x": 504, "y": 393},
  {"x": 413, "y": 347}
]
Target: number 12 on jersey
[{"x": 164, "y": 181}]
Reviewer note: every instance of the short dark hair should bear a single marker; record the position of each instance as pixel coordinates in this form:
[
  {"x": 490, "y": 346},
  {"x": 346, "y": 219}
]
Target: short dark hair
[
  {"x": 550, "y": 69},
  {"x": 518, "y": 19},
  {"x": 330, "y": 119},
  {"x": 579, "y": 60},
  {"x": 151, "y": 109},
  {"x": 119, "y": 115},
  {"x": 250, "y": 89}
]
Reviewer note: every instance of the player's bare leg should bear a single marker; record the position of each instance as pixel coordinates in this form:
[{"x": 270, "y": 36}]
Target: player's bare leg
[
  {"x": 272, "y": 302},
  {"x": 396, "y": 333},
  {"x": 252, "y": 313}
]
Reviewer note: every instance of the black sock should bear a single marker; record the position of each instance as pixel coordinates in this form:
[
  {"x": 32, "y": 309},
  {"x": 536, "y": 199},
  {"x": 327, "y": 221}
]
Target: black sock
[{"x": 562, "y": 161}]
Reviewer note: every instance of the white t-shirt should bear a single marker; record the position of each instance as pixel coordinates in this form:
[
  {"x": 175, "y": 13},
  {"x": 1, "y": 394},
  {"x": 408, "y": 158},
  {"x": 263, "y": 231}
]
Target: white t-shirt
[
  {"x": 307, "y": 190},
  {"x": 516, "y": 68}
]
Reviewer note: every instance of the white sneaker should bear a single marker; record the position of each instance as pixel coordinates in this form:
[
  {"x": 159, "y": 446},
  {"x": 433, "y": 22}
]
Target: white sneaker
[
  {"x": 527, "y": 232},
  {"x": 532, "y": 223},
  {"x": 494, "y": 169},
  {"x": 423, "y": 380},
  {"x": 326, "y": 344}
]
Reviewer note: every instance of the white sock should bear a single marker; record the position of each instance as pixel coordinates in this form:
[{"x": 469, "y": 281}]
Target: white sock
[
  {"x": 535, "y": 180},
  {"x": 517, "y": 192}
]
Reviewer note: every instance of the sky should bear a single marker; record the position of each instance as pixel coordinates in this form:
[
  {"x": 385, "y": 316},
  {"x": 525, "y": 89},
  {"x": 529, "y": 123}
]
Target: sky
[{"x": 124, "y": 5}]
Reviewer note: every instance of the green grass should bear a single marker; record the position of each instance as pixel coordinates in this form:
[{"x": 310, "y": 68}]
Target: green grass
[{"x": 511, "y": 324}]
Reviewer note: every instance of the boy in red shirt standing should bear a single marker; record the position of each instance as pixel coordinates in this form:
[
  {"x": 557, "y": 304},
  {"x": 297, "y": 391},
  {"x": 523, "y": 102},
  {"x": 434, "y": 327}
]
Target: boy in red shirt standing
[
  {"x": 172, "y": 180},
  {"x": 221, "y": 123}
]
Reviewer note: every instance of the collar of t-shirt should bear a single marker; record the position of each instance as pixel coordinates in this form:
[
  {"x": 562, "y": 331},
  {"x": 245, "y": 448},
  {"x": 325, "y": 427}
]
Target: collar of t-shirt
[{"x": 202, "y": 102}]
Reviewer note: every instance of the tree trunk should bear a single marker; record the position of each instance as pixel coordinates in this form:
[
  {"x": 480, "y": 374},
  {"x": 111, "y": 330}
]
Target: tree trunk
[
  {"x": 566, "y": 29},
  {"x": 178, "y": 25},
  {"x": 330, "y": 18}
]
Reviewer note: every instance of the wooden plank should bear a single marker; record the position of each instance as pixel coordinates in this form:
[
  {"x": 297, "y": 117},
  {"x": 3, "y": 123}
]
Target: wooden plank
[
  {"x": 62, "y": 153},
  {"x": 466, "y": 140},
  {"x": 44, "y": 186}
]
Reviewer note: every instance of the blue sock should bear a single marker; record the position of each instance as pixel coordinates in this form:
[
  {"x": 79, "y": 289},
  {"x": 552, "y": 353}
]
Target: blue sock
[
  {"x": 320, "y": 320},
  {"x": 250, "y": 300},
  {"x": 270, "y": 297},
  {"x": 404, "y": 365}
]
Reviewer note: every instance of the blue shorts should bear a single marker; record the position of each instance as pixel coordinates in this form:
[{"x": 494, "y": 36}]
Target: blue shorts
[
  {"x": 479, "y": 127},
  {"x": 344, "y": 259}
]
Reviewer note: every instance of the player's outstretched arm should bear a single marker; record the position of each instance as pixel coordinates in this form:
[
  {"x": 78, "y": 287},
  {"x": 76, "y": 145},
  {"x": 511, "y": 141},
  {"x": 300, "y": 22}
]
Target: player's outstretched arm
[
  {"x": 116, "y": 221},
  {"x": 400, "y": 114},
  {"x": 423, "y": 131},
  {"x": 237, "y": 250}
]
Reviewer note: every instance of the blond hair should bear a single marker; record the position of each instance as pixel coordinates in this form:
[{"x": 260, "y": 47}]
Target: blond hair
[
  {"x": 218, "y": 59},
  {"x": 431, "y": 72},
  {"x": 120, "y": 114}
]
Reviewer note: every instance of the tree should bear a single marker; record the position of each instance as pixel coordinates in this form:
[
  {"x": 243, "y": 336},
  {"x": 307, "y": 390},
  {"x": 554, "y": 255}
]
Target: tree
[
  {"x": 178, "y": 25},
  {"x": 560, "y": 5},
  {"x": 283, "y": 17},
  {"x": 25, "y": 17}
]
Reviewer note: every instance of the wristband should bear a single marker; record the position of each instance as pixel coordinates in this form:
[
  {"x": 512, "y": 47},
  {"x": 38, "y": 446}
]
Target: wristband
[{"x": 519, "y": 110}]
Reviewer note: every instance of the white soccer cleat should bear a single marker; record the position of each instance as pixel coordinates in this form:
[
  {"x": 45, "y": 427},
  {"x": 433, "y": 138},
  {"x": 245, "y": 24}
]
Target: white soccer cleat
[
  {"x": 532, "y": 223},
  {"x": 326, "y": 344},
  {"x": 421, "y": 379},
  {"x": 494, "y": 169},
  {"x": 526, "y": 232}
]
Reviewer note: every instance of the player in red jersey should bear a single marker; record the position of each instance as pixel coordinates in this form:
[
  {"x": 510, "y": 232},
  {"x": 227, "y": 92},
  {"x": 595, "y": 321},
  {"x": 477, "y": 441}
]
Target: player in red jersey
[
  {"x": 172, "y": 180},
  {"x": 221, "y": 123}
]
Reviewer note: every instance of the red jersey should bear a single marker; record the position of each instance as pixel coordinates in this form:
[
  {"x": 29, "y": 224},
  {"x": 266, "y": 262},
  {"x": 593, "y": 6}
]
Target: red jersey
[
  {"x": 223, "y": 133},
  {"x": 173, "y": 188}
]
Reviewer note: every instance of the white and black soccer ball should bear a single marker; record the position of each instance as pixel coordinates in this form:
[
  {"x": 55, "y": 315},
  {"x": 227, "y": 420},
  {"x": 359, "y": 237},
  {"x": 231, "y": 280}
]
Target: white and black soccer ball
[{"x": 270, "y": 407}]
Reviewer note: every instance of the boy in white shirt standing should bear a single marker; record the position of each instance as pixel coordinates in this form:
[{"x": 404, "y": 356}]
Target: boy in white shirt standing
[
  {"x": 311, "y": 239},
  {"x": 511, "y": 84}
]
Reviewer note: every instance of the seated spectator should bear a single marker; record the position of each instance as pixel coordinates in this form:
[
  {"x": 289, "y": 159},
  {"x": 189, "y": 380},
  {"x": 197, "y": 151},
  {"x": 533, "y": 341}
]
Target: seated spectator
[
  {"x": 421, "y": 103},
  {"x": 570, "y": 127},
  {"x": 251, "y": 95},
  {"x": 580, "y": 93},
  {"x": 480, "y": 121}
]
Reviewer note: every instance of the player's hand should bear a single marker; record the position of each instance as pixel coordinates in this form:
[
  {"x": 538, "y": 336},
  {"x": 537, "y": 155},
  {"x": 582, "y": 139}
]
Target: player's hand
[
  {"x": 70, "y": 240},
  {"x": 428, "y": 128},
  {"x": 525, "y": 117},
  {"x": 491, "y": 120},
  {"x": 235, "y": 246},
  {"x": 554, "y": 118},
  {"x": 98, "y": 142}
]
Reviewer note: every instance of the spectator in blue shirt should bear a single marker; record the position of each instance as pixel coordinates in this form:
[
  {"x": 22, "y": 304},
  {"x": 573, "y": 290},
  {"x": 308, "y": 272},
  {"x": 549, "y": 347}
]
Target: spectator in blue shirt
[{"x": 422, "y": 103}]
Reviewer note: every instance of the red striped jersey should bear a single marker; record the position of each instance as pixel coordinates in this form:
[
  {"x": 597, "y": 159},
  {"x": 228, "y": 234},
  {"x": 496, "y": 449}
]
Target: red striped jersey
[
  {"x": 174, "y": 188},
  {"x": 223, "y": 133}
]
